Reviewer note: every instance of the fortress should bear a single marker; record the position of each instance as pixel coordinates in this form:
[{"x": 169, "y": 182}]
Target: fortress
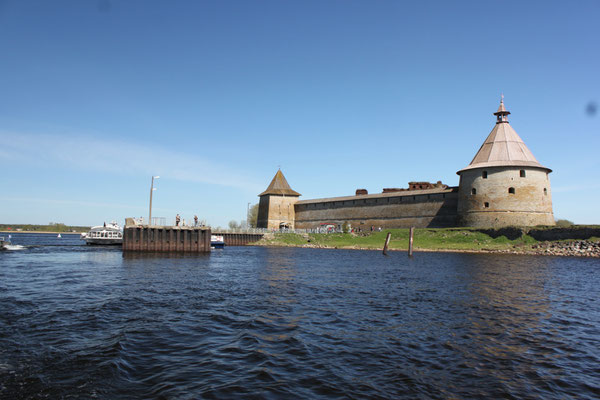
[{"x": 504, "y": 185}]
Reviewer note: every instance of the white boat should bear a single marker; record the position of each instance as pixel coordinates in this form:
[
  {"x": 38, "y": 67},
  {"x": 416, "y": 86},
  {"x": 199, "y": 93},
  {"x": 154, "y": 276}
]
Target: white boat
[
  {"x": 4, "y": 243},
  {"x": 59, "y": 236},
  {"x": 217, "y": 241},
  {"x": 105, "y": 234}
]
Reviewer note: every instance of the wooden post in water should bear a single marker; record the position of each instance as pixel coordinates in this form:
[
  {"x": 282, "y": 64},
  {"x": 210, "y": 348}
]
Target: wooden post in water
[
  {"x": 387, "y": 242},
  {"x": 411, "y": 233}
]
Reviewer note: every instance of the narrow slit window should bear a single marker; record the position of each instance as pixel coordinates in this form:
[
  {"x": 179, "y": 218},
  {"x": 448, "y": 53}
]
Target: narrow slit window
[
  {"x": 473, "y": 191},
  {"x": 484, "y": 174},
  {"x": 486, "y": 204},
  {"x": 522, "y": 173},
  {"x": 511, "y": 190},
  {"x": 545, "y": 192}
]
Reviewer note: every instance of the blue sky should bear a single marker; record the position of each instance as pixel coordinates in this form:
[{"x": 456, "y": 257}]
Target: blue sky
[{"x": 98, "y": 96}]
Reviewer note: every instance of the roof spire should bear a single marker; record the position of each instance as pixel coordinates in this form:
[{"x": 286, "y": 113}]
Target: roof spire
[
  {"x": 280, "y": 186},
  {"x": 501, "y": 114},
  {"x": 503, "y": 147}
]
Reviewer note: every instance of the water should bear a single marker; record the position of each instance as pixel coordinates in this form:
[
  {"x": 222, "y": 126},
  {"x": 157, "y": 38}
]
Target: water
[{"x": 86, "y": 322}]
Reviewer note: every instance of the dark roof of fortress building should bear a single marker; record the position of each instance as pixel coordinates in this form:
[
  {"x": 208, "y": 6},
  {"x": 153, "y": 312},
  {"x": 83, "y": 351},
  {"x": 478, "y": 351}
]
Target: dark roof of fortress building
[
  {"x": 280, "y": 186},
  {"x": 503, "y": 147},
  {"x": 406, "y": 193}
]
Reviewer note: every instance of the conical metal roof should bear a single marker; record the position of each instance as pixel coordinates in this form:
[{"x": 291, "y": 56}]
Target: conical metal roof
[
  {"x": 503, "y": 147},
  {"x": 280, "y": 186}
]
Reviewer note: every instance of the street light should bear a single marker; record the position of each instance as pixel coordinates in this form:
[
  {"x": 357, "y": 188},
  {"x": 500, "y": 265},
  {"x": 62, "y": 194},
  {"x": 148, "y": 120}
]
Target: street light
[
  {"x": 248, "y": 217},
  {"x": 152, "y": 189}
]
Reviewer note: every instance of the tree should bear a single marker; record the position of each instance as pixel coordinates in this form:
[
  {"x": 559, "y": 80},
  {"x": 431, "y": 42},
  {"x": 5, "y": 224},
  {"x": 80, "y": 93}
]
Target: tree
[
  {"x": 563, "y": 223},
  {"x": 233, "y": 225},
  {"x": 253, "y": 216},
  {"x": 346, "y": 227}
]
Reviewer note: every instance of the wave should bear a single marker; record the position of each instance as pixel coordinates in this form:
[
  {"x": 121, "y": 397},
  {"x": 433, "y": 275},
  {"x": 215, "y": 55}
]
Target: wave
[{"x": 14, "y": 247}]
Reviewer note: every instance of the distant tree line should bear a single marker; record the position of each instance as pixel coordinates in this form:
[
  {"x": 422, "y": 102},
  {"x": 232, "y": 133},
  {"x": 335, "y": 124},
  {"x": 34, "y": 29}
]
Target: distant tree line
[{"x": 52, "y": 227}]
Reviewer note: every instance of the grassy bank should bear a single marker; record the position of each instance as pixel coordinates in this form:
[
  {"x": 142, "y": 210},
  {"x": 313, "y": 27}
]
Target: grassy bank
[{"x": 459, "y": 239}]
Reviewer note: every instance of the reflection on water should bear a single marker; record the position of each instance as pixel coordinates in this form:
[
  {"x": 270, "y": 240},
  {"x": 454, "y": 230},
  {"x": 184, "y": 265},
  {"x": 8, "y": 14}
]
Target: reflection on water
[{"x": 261, "y": 322}]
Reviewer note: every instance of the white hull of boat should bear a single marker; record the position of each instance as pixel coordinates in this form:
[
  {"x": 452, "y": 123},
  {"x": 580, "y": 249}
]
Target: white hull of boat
[{"x": 104, "y": 241}]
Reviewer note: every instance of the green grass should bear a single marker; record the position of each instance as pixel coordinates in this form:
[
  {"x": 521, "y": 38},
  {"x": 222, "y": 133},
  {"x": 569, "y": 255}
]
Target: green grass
[{"x": 425, "y": 239}]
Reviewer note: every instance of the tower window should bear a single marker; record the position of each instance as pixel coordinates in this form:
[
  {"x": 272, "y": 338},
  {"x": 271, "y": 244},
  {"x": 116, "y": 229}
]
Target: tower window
[
  {"x": 511, "y": 190},
  {"x": 484, "y": 174},
  {"x": 486, "y": 204},
  {"x": 545, "y": 192},
  {"x": 522, "y": 173},
  {"x": 473, "y": 191}
]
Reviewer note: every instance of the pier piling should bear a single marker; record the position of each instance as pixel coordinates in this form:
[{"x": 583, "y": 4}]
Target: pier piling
[
  {"x": 387, "y": 242},
  {"x": 411, "y": 233}
]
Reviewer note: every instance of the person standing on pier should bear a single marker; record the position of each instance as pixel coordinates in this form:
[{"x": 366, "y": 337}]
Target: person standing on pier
[
  {"x": 177, "y": 219},
  {"x": 195, "y": 220}
]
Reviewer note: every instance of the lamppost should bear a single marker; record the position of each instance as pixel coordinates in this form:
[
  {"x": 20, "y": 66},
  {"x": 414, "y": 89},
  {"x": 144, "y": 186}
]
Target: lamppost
[
  {"x": 152, "y": 189},
  {"x": 248, "y": 217}
]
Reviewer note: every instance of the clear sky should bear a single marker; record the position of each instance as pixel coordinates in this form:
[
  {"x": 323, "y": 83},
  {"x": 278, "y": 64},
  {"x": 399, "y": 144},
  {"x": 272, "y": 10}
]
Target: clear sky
[{"x": 97, "y": 96}]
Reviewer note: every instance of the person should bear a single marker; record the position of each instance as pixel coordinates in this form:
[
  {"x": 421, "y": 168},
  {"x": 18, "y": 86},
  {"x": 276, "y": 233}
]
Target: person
[
  {"x": 195, "y": 220},
  {"x": 177, "y": 219}
]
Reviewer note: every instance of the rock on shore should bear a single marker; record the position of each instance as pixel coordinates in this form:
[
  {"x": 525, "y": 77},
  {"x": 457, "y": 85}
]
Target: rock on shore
[{"x": 583, "y": 248}]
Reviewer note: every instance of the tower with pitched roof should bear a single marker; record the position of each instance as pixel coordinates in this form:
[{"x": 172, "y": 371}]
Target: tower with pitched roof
[
  {"x": 504, "y": 185},
  {"x": 276, "y": 205}
]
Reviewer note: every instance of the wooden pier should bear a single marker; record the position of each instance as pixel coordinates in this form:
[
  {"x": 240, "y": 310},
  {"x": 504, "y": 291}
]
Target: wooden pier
[{"x": 144, "y": 238}]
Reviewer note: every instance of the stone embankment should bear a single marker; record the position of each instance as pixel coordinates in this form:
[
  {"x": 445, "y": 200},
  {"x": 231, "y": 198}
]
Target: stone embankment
[{"x": 583, "y": 248}]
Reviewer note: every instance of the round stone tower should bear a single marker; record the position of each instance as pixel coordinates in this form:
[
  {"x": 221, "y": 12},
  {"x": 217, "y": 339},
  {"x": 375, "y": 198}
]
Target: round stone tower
[{"x": 504, "y": 185}]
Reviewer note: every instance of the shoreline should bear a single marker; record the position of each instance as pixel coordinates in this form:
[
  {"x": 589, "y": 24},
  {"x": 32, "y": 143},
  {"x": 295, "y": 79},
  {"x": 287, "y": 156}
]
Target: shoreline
[{"x": 548, "y": 249}]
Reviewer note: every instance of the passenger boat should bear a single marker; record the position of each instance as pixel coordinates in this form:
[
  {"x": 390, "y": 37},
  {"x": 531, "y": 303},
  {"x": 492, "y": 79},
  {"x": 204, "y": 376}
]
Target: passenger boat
[
  {"x": 106, "y": 234},
  {"x": 217, "y": 241}
]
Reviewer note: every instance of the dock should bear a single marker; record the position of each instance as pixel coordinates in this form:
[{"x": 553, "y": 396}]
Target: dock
[
  {"x": 239, "y": 238},
  {"x": 151, "y": 238}
]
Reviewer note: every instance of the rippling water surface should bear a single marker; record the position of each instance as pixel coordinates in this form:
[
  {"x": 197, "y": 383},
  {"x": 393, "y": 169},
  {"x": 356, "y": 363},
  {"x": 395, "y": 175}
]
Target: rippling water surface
[{"x": 88, "y": 322}]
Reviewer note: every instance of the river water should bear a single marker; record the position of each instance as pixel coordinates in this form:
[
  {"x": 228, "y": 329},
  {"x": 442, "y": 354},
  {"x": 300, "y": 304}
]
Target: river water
[{"x": 251, "y": 322}]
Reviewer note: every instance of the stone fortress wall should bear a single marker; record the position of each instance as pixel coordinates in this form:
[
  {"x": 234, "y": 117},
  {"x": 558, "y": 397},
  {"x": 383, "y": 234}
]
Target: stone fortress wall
[
  {"x": 504, "y": 185},
  {"x": 402, "y": 209}
]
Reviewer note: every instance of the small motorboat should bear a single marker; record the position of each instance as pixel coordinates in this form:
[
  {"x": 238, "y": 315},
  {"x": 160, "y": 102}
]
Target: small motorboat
[
  {"x": 4, "y": 243},
  {"x": 217, "y": 241},
  {"x": 105, "y": 234}
]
